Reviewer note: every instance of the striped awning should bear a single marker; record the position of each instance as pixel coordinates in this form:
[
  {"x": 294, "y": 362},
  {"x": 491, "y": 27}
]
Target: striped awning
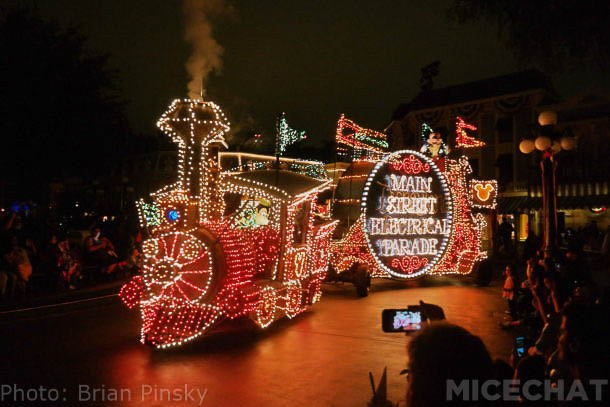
[{"x": 513, "y": 204}]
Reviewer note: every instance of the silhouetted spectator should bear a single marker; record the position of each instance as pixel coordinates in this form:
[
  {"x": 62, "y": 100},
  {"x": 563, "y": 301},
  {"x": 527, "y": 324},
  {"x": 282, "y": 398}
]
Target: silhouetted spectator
[
  {"x": 441, "y": 352},
  {"x": 30, "y": 248},
  {"x": 510, "y": 291},
  {"x": 550, "y": 307},
  {"x": 524, "y": 296},
  {"x": 531, "y": 245},
  {"x": 553, "y": 296},
  {"x": 505, "y": 231},
  {"x": 50, "y": 262},
  {"x": 18, "y": 263},
  {"x": 529, "y": 368},
  {"x": 573, "y": 273},
  {"x": 502, "y": 370},
  {"x": 584, "y": 295},
  {"x": 100, "y": 251},
  {"x": 529, "y": 308},
  {"x": 8, "y": 281},
  {"x": 592, "y": 235},
  {"x": 573, "y": 241},
  {"x": 67, "y": 264},
  {"x": 583, "y": 346},
  {"x": 130, "y": 265},
  {"x": 537, "y": 289}
]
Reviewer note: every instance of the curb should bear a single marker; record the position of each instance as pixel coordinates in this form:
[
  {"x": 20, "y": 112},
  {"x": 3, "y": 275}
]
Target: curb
[
  {"x": 62, "y": 302},
  {"x": 52, "y": 310}
]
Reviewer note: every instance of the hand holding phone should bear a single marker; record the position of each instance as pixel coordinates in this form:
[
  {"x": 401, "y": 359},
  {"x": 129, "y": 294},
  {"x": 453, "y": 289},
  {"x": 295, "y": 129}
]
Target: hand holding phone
[
  {"x": 520, "y": 347},
  {"x": 402, "y": 320}
]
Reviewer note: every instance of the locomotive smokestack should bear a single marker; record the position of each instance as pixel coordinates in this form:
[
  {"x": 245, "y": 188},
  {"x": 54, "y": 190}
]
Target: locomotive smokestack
[{"x": 198, "y": 128}]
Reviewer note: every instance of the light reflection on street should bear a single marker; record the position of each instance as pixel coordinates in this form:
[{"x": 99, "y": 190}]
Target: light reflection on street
[{"x": 319, "y": 358}]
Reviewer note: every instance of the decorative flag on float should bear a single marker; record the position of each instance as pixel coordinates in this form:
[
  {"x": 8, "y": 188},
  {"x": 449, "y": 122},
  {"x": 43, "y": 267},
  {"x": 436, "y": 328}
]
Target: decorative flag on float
[
  {"x": 285, "y": 135},
  {"x": 352, "y": 136},
  {"x": 463, "y": 140}
]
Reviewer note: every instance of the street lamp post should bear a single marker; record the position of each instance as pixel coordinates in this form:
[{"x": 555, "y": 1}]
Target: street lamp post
[{"x": 549, "y": 142}]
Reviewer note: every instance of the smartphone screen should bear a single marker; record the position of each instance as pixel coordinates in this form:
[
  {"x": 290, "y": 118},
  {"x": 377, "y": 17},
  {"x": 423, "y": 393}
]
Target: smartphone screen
[
  {"x": 520, "y": 346},
  {"x": 401, "y": 320}
]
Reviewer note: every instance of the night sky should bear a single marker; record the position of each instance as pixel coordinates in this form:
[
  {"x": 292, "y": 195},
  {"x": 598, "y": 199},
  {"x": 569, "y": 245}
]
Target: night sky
[{"x": 312, "y": 59}]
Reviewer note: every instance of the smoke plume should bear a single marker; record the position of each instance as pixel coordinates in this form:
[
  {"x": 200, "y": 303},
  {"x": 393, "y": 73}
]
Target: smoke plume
[{"x": 207, "y": 53}]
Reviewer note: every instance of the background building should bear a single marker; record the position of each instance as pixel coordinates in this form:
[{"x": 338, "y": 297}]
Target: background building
[{"x": 505, "y": 110}]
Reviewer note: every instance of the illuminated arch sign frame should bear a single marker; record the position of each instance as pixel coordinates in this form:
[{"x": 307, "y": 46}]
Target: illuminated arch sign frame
[{"x": 408, "y": 230}]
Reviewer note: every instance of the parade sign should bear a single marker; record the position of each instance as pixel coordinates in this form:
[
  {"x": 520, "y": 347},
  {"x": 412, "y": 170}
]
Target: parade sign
[{"x": 407, "y": 209}]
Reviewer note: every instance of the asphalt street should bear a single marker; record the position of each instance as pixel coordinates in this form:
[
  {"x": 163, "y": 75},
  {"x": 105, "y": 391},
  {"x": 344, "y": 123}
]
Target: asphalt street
[{"x": 90, "y": 354}]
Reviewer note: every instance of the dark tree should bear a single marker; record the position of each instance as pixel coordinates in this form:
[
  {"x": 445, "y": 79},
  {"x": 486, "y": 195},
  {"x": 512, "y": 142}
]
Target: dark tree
[
  {"x": 428, "y": 73},
  {"x": 552, "y": 35},
  {"x": 59, "y": 111}
]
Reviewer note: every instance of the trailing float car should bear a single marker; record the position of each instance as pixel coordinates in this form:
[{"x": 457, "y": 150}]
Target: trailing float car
[
  {"x": 225, "y": 245},
  {"x": 408, "y": 213}
]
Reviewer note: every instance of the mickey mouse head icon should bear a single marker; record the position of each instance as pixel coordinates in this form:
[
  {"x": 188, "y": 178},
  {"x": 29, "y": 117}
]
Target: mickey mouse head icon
[{"x": 483, "y": 191}]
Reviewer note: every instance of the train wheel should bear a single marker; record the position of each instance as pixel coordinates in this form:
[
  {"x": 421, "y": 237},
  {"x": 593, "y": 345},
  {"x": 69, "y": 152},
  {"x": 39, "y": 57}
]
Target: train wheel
[
  {"x": 362, "y": 280},
  {"x": 314, "y": 291},
  {"x": 178, "y": 268},
  {"x": 266, "y": 307},
  {"x": 294, "y": 298}
]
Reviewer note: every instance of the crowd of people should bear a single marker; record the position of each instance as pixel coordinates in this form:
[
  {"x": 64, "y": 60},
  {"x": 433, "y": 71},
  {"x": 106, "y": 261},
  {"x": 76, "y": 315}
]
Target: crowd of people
[
  {"x": 561, "y": 355},
  {"x": 588, "y": 237},
  {"x": 449, "y": 366},
  {"x": 562, "y": 316},
  {"x": 560, "y": 320},
  {"x": 38, "y": 259}
]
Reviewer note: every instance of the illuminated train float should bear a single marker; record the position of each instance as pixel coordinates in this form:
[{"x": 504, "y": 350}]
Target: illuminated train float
[
  {"x": 223, "y": 245},
  {"x": 408, "y": 213}
]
